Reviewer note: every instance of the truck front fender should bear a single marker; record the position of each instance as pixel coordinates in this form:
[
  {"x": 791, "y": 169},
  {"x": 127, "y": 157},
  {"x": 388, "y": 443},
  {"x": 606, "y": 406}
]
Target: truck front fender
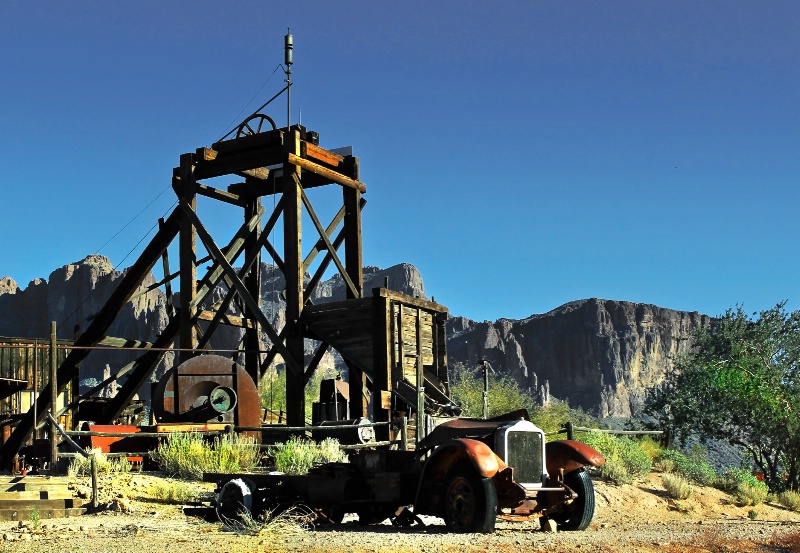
[
  {"x": 570, "y": 455},
  {"x": 442, "y": 459}
]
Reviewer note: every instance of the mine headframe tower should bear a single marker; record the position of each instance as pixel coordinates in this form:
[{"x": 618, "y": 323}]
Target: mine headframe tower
[
  {"x": 396, "y": 341},
  {"x": 266, "y": 161}
]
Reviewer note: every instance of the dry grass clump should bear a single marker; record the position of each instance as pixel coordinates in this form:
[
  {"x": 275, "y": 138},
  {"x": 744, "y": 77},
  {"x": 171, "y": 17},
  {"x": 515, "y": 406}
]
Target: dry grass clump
[
  {"x": 677, "y": 486},
  {"x": 276, "y": 523},
  {"x": 298, "y": 456},
  {"x": 790, "y": 500},
  {"x": 82, "y": 466},
  {"x": 747, "y": 494},
  {"x": 175, "y": 492},
  {"x": 188, "y": 455}
]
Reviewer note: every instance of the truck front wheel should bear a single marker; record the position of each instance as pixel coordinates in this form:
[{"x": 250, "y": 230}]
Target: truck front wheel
[
  {"x": 579, "y": 513},
  {"x": 470, "y": 502}
]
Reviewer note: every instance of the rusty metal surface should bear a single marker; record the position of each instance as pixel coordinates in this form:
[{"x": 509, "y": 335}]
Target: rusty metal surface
[
  {"x": 570, "y": 455},
  {"x": 207, "y": 388}
]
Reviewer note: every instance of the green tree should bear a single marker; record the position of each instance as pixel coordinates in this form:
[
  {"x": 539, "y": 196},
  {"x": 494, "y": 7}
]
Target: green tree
[
  {"x": 740, "y": 384},
  {"x": 505, "y": 395}
]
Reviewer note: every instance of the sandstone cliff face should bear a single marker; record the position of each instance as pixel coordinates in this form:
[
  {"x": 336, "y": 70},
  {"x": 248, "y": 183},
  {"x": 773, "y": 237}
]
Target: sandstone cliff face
[{"x": 600, "y": 355}]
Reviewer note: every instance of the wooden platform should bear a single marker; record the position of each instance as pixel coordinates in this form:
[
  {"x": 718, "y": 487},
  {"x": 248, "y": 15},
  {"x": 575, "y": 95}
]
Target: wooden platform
[{"x": 28, "y": 497}]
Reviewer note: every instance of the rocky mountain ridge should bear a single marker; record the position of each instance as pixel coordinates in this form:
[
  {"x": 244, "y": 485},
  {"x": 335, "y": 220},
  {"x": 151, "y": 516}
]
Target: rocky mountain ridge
[{"x": 598, "y": 354}]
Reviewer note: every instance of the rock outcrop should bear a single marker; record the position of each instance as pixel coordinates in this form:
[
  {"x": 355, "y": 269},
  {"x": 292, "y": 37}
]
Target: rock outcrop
[{"x": 601, "y": 355}]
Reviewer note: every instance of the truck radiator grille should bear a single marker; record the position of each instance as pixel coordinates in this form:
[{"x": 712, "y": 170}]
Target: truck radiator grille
[{"x": 524, "y": 455}]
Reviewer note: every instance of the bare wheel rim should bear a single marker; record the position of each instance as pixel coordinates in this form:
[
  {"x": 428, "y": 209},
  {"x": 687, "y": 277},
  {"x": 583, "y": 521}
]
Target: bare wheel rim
[{"x": 462, "y": 503}]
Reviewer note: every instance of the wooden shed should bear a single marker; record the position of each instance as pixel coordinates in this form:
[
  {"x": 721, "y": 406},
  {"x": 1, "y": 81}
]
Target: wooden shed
[{"x": 398, "y": 341}]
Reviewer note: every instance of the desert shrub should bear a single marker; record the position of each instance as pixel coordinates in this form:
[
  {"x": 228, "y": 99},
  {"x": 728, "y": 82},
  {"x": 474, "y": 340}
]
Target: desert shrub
[
  {"x": 188, "y": 455},
  {"x": 82, "y": 466},
  {"x": 693, "y": 469},
  {"x": 676, "y": 485},
  {"x": 625, "y": 460},
  {"x": 175, "y": 492},
  {"x": 748, "y": 494},
  {"x": 651, "y": 447},
  {"x": 552, "y": 417},
  {"x": 790, "y": 500},
  {"x": 746, "y": 488},
  {"x": 298, "y": 456}
]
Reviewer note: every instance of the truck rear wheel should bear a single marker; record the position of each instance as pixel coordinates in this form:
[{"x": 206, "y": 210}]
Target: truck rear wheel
[
  {"x": 235, "y": 500},
  {"x": 579, "y": 513},
  {"x": 470, "y": 503}
]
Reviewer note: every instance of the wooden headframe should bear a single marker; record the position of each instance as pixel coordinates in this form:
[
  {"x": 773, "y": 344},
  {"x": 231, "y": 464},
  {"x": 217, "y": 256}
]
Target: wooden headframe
[{"x": 283, "y": 162}]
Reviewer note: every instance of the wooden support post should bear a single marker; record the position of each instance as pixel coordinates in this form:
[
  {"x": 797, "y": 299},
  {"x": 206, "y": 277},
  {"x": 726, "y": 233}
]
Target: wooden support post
[
  {"x": 186, "y": 188},
  {"x": 422, "y": 429},
  {"x": 53, "y": 399},
  {"x": 354, "y": 266},
  {"x": 293, "y": 273},
  {"x": 252, "y": 281},
  {"x": 95, "y": 502}
]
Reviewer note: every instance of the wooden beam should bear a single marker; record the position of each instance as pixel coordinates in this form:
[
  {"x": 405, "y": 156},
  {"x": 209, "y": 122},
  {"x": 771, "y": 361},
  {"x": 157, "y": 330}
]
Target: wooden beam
[
  {"x": 328, "y": 173},
  {"x": 241, "y": 289},
  {"x": 123, "y": 343},
  {"x": 351, "y": 288},
  {"x": 224, "y": 318},
  {"x": 221, "y": 195},
  {"x": 321, "y": 154},
  {"x": 354, "y": 272},
  {"x": 314, "y": 363},
  {"x": 185, "y": 186},
  {"x": 293, "y": 261},
  {"x": 141, "y": 370},
  {"x": 232, "y": 251}
]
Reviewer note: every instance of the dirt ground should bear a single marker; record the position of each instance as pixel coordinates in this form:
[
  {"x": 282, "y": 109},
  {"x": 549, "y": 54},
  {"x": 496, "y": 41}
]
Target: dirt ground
[{"x": 636, "y": 517}]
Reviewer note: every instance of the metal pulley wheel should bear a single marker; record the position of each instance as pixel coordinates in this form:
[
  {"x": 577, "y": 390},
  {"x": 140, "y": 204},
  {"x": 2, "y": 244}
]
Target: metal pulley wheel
[
  {"x": 206, "y": 389},
  {"x": 254, "y": 124}
]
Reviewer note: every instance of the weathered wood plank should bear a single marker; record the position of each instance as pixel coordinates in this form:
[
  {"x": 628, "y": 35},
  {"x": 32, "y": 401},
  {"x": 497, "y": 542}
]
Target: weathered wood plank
[
  {"x": 230, "y": 320},
  {"x": 321, "y": 154},
  {"x": 221, "y": 195},
  {"x": 327, "y": 173}
]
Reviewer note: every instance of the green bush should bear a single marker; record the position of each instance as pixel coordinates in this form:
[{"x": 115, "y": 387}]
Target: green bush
[
  {"x": 82, "y": 466},
  {"x": 625, "y": 460},
  {"x": 693, "y": 469},
  {"x": 188, "y": 455},
  {"x": 651, "y": 447},
  {"x": 298, "y": 456},
  {"x": 751, "y": 494},
  {"x": 179, "y": 493},
  {"x": 676, "y": 485},
  {"x": 790, "y": 500},
  {"x": 731, "y": 477}
]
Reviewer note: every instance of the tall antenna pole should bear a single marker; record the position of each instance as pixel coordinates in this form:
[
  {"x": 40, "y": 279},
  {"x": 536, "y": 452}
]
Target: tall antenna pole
[{"x": 288, "y": 47}]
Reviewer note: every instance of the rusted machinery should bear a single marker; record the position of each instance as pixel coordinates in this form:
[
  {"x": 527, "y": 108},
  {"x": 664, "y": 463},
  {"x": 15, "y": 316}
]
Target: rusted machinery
[
  {"x": 466, "y": 471},
  {"x": 207, "y": 388}
]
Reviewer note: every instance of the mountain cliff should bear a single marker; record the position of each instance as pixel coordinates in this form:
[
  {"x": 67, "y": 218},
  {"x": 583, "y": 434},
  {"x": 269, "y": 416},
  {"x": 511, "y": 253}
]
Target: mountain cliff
[{"x": 600, "y": 355}]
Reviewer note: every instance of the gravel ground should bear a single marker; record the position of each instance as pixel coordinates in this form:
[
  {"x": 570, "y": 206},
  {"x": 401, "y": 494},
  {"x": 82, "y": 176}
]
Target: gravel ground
[{"x": 636, "y": 517}]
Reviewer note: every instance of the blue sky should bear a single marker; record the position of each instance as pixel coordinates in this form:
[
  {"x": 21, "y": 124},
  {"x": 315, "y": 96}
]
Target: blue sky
[{"x": 520, "y": 154}]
